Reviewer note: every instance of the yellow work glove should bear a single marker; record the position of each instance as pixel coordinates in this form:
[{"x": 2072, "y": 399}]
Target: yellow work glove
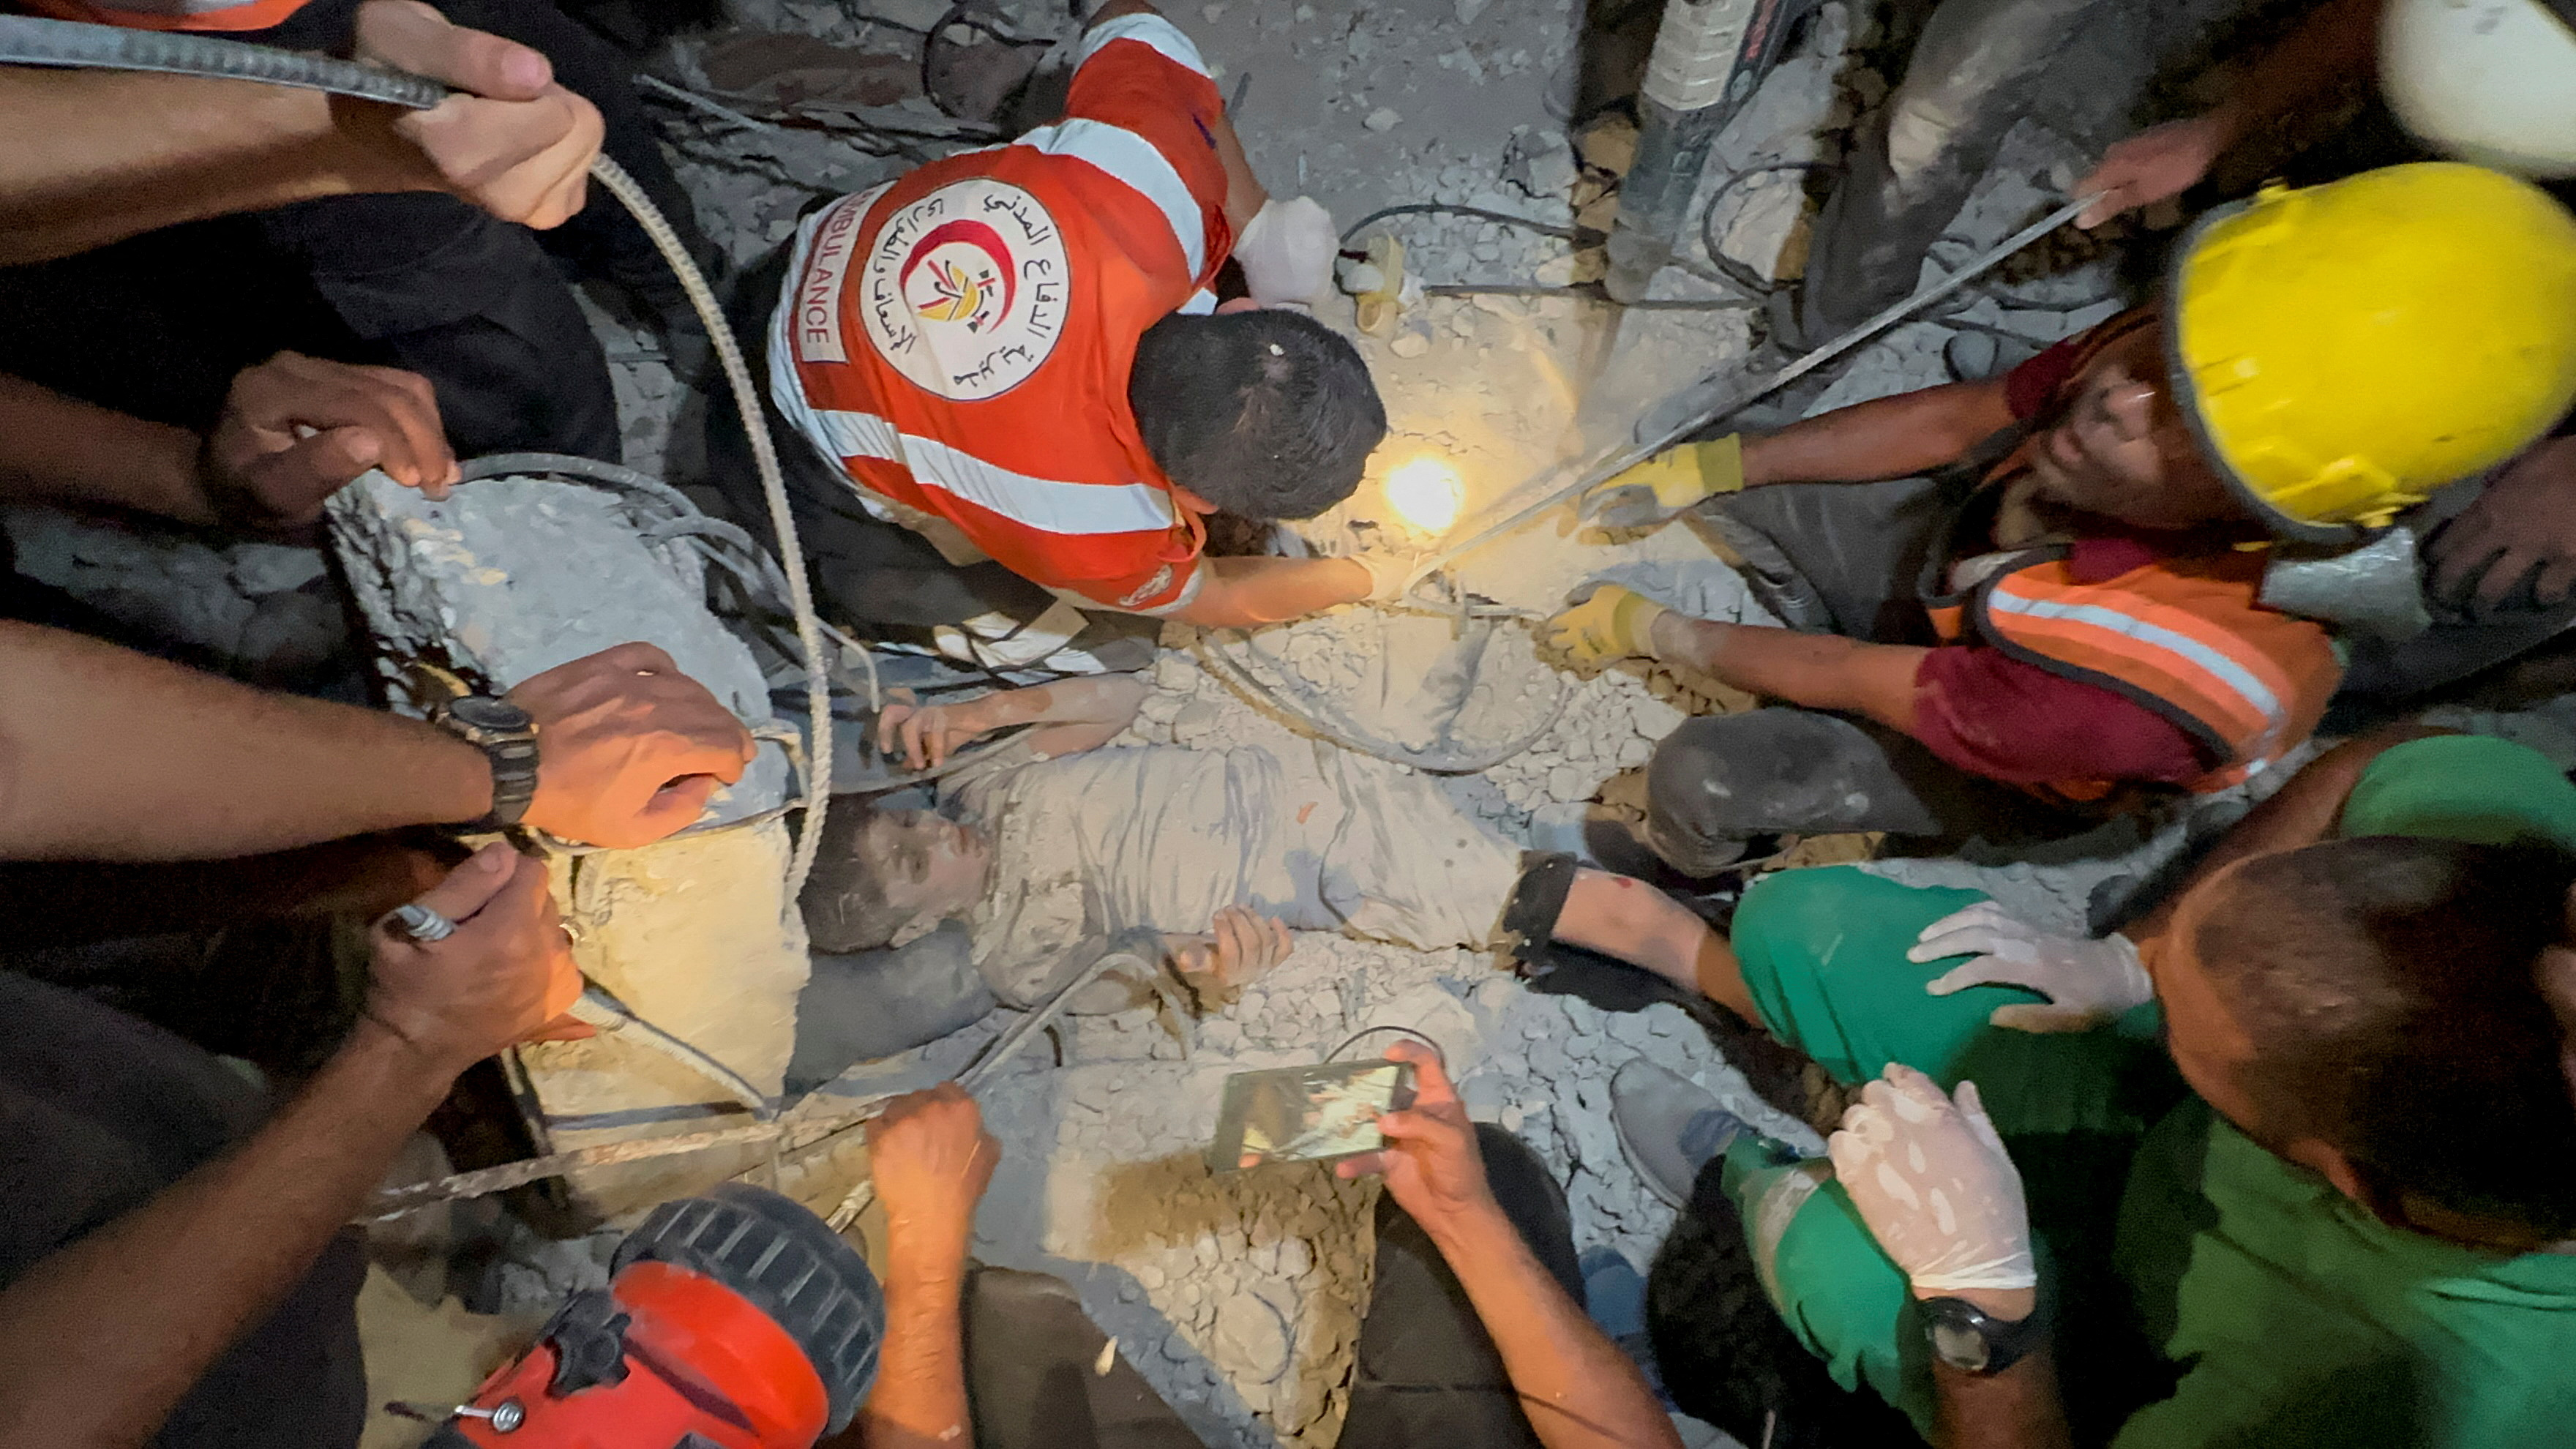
[
  {"x": 1606, "y": 624},
  {"x": 1668, "y": 483}
]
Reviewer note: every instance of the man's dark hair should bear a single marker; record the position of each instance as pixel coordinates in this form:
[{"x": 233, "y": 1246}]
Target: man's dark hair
[
  {"x": 1265, "y": 413},
  {"x": 2389, "y": 985},
  {"x": 844, "y": 902}
]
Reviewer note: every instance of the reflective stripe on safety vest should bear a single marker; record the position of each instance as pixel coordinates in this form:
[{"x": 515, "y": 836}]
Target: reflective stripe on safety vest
[
  {"x": 2184, "y": 637},
  {"x": 171, "y": 14}
]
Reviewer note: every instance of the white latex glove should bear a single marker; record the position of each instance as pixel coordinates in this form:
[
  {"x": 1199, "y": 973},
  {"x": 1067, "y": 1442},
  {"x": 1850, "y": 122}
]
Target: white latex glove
[
  {"x": 1287, "y": 250},
  {"x": 1931, "y": 1179},
  {"x": 1388, "y": 574},
  {"x": 2087, "y": 983}
]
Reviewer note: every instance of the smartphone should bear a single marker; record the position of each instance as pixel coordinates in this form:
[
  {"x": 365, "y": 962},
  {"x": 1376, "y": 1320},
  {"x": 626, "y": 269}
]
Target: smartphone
[{"x": 1306, "y": 1114}]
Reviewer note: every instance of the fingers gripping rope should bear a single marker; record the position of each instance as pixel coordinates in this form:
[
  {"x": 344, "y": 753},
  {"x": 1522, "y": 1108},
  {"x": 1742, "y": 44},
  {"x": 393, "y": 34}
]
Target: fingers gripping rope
[{"x": 29, "y": 41}]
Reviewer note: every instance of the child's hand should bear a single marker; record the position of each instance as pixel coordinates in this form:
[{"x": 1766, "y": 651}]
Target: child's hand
[
  {"x": 926, "y": 734},
  {"x": 1240, "y": 946}
]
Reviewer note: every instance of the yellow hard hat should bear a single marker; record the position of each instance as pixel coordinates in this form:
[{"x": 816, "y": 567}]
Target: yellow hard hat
[{"x": 2343, "y": 350}]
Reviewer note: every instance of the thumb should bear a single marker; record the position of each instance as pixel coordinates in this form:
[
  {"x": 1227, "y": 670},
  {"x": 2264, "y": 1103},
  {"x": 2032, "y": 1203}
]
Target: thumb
[
  {"x": 473, "y": 885},
  {"x": 319, "y": 466},
  {"x": 676, "y": 805},
  {"x": 1973, "y": 1107},
  {"x": 2042, "y": 1018},
  {"x": 1960, "y": 978},
  {"x": 414, "y": 37}
]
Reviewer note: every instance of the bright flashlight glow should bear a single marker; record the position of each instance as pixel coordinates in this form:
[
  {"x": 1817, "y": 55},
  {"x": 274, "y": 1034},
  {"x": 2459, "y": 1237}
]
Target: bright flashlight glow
[{"x": 1426, "y": 493}]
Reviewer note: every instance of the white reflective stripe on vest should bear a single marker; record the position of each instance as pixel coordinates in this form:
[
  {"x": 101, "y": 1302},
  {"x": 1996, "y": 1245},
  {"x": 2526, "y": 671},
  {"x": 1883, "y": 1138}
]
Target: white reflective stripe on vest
[
  {"x": 2227, "y": 671},
  {"x": 1049, "y": 505},
  {"x": 1152, "y": 30},
  {"x": 1133, "y": 160}
]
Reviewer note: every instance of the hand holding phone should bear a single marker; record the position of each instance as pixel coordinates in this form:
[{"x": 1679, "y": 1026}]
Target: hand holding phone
[{"x": 1306, "y": 1114}]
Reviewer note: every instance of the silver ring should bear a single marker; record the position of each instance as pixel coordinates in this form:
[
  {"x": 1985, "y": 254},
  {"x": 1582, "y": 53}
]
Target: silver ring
[{"x": 420, "y": 923}]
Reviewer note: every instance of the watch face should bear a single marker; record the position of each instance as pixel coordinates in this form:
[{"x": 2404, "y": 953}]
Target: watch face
[
  {"x": 486, "y": 713},
  {"x": 1959, "y": 1345}
]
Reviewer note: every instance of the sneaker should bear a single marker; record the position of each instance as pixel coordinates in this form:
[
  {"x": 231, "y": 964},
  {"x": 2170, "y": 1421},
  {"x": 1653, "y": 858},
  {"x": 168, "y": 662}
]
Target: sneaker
[{"x": 1670, "y": 1127}]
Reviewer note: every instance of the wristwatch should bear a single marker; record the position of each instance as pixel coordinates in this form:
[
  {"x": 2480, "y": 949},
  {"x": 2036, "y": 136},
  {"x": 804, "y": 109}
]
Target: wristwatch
[
  {"x": 508, "y": 739},
  {"x": 1970, "y": 1340}
]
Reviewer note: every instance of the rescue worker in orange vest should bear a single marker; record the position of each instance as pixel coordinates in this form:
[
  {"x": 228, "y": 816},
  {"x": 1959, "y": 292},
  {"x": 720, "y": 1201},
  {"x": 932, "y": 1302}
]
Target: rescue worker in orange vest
[
  {"x": 1015, "y": 401},
  {"x": 2049, "y": 588}
]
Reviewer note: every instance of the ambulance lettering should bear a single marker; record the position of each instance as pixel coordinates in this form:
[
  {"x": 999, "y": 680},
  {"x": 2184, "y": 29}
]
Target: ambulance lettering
[{"x": 963, "y": 291}]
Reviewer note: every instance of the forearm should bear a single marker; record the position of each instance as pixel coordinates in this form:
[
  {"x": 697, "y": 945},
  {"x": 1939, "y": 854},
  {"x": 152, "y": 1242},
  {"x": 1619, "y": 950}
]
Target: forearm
[
  {"x": 2015, "y": 1409},
  {"x": 106, "y": 754},
  {"x": 1820, "y": 671},
  {"x": 99, "y": 1341},
  {"x": 57, "y": 449},
  {"x": 2337, "y": 44},
  {"x": 1578, "y": 1389},
  {"x": 2299, "y": 814},
  {"x": 1889, "y": 437},
  {"x": 95, "y": 156},
  {"x": 1244, "y": 593},
  {"x": 919, "y": 1401}
]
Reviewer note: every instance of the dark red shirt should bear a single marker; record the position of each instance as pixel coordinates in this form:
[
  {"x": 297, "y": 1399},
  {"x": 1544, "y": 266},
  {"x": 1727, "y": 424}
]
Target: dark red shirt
[{"x": 1993, "y": 715}]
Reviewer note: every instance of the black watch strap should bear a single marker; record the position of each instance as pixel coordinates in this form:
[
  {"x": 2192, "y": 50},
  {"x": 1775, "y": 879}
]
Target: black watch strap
[{"x": 508, "y": 740}]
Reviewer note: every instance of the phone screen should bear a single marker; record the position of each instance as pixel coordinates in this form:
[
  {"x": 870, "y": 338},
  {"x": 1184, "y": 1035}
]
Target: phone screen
[{"x": 1306, "y": 1114}]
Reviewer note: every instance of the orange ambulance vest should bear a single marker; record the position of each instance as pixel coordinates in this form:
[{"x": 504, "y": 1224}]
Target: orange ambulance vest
[{"x": 959, "y": 341}]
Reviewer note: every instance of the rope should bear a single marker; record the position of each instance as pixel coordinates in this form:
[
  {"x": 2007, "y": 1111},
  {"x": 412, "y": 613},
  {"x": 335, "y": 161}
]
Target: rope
[
  {"x": 782, "y": 517},
  {"x": 1621, "y": 459},
  {"x": 29, "y": 41}
]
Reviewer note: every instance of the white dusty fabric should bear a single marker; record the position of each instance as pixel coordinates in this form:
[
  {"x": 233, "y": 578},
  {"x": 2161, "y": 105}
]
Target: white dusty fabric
[{"x": 1160, "y": 839}]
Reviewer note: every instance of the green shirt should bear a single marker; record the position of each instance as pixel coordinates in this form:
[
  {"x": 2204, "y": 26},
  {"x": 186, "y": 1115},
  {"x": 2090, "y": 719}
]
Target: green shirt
[{"x": 2294, "y": 1317}]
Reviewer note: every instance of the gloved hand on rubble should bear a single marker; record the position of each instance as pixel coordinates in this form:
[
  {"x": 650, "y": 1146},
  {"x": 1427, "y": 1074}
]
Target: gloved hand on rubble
[
  {"x": 2087, "y": 983},
  {"x": 296, "y": 429},
  {"x": 1287, "y": 250},
  {"x": 1605, "y": 623},
  {"x": 1668, "y": 484},
  {"x": 1930, "y": 1177}
]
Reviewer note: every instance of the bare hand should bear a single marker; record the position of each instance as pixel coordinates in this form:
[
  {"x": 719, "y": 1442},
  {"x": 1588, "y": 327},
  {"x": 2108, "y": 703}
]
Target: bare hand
[
  {"x": 2155, "y": 164},
  {"x": 1431, "y": 1162},
  {"x": 295, "y": 429},
  {"x": 2522, "y": 529},
  {"x": 514, "y": 142},
  {"x": 628, "y": 748},
  {"x": 931, "y": 1159},
  {"x": 1241, "y": 945},
  {"x": 926, "y": 734},
  {"x": 506, "y": 975}
]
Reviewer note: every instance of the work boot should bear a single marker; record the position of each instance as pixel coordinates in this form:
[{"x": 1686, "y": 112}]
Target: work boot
[{"x": 1670, "y": 1127}]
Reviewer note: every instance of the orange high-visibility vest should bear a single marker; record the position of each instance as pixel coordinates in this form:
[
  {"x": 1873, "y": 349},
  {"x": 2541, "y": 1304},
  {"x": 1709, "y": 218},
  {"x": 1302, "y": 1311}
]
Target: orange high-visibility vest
[
  {"x": 170, "y": 14},
  {"x": 2184, "y": 637}
]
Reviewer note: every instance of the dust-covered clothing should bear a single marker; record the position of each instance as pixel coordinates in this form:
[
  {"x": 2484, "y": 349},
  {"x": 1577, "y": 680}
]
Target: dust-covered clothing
[
  {"x": 959, "y": 340},
  {"x": 1091, "y": 846},
  {"x": 2205, "y": 1292}
]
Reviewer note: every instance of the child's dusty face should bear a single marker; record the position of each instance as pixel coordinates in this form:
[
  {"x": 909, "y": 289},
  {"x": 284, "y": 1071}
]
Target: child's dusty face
[
  {"x": 929, "y": 866},
  {"x": 2122, "y": 450}
]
